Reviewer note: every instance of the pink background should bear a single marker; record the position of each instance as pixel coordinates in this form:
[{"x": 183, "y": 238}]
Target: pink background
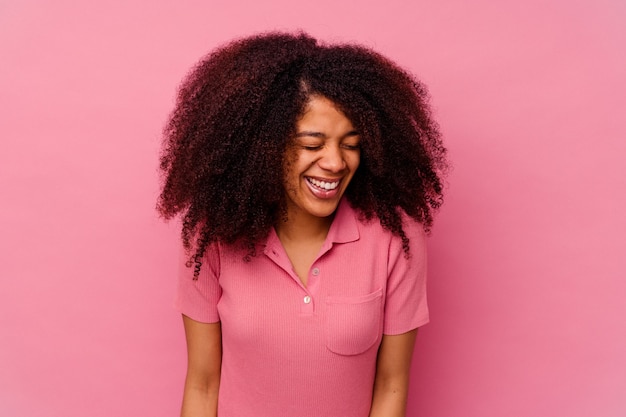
[{"x": 527, "y": 271}]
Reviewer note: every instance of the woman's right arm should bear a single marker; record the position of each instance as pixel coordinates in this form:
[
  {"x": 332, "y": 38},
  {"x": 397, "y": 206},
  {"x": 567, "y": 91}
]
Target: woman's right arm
[{"x": 204, "y": 361}]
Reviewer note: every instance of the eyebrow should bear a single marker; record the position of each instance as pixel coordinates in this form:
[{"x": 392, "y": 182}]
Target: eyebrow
[{"x": 322, "y": 135}]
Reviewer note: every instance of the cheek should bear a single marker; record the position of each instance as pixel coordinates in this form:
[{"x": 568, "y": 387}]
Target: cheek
[
  {"x": 289, "y": 160},
  {"x": 290, "y": 177},
  {"x": 355, "y": 162}
]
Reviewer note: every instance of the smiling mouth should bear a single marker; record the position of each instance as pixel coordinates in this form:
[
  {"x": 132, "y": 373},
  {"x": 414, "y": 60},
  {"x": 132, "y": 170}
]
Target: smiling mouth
[{"x": 323, "y": 185}]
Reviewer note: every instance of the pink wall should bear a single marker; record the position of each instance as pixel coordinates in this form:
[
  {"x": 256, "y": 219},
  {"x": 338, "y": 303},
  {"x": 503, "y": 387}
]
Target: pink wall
[{"x": 527, "y": 288}]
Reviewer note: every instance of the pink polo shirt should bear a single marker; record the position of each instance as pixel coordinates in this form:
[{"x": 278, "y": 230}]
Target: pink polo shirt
[{"x": 291, "y": 350}]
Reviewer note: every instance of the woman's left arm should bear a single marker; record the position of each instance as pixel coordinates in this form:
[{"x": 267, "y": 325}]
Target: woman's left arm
[{"x": 393, "y": 368}]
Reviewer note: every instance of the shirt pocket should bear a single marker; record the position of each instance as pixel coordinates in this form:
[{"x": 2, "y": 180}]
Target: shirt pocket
[{"x": 353, "y": 324}]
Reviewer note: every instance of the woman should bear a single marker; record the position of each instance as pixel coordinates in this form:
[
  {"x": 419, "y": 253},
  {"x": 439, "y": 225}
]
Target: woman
[{"x": 306, "y": 176}]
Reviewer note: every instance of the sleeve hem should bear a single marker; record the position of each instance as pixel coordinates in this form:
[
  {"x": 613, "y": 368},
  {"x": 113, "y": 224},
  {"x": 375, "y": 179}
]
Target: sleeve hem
[
  {"x": 396, "y": 330},
  {"x": 202, "y": 317}
]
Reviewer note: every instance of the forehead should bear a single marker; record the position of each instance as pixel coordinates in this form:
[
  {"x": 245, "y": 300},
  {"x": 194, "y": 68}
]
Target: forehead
[{"x": 322, "y": 113}]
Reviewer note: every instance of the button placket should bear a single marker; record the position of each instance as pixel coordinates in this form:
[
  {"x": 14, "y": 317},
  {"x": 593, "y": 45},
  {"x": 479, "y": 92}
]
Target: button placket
[{"x": 308, "y": 304}]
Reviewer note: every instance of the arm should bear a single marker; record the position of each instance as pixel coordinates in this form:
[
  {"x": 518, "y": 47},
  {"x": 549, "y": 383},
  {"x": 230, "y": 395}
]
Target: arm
[
  {"x": 204, "y": 360},
  {"x": 392, "y": 375}
]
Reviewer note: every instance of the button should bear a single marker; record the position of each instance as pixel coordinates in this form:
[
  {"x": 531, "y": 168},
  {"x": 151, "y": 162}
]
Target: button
[
  {"x": 307, "y": 299},
  {"x": 316, "y": 271}
]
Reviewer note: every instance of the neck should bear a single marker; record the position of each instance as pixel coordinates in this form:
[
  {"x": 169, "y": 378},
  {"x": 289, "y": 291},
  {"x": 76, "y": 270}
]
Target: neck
[{"x": 303, "y": 228}]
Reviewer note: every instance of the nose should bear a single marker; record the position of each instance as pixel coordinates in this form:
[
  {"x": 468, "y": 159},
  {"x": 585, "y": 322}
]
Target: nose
[{"x": 332, "y": 159}]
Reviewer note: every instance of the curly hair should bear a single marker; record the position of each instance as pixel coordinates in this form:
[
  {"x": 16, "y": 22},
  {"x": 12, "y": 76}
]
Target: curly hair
[{"x": 236, "y": 113}]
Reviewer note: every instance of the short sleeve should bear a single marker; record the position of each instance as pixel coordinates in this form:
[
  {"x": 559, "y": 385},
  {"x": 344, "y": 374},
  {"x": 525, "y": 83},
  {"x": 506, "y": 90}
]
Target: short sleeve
[
  {"x": 197, "y": 299},
  {"x": 406, "y": 306}
]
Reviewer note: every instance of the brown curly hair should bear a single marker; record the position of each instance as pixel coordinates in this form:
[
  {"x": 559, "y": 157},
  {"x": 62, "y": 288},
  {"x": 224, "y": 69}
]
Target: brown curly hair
[{"x": 224, "y": 144}]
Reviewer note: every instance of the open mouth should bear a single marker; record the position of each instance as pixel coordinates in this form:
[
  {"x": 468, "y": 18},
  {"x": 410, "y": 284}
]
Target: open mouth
[{"x": 323, "y": 185}]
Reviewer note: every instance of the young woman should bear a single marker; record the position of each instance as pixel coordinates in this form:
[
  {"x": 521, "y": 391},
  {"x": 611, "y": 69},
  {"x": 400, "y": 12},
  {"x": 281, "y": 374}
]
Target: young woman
[{"x": 306, "y": 176}]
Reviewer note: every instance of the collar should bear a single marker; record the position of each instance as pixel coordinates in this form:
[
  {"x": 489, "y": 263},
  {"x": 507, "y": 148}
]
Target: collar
[{"x": 343, "y": 229}]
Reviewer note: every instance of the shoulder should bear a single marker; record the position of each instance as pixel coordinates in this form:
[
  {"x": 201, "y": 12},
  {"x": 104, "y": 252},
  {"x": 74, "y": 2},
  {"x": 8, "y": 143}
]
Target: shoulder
[
  {"x": 193, "y": 265},
  {"x": 414, "y": 230},
  {"x": 373, "y": 229}
]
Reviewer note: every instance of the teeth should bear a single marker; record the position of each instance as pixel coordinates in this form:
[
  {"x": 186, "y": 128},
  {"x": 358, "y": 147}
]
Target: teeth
[{"x": 323, "y": 184}]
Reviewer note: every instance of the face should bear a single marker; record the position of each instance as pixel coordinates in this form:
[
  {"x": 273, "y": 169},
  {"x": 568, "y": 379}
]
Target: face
[{"x": 321, "y": 161}]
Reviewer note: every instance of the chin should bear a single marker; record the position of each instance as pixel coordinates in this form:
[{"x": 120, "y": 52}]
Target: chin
[{"x": 324, "y": 211}]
